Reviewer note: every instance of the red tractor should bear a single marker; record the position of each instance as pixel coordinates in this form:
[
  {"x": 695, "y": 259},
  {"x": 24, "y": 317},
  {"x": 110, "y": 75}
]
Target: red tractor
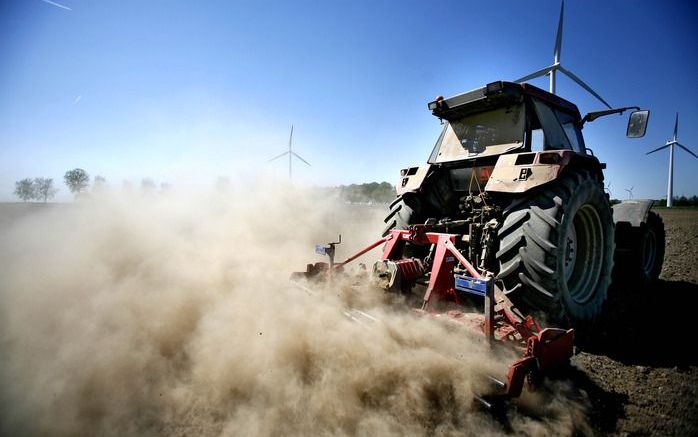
[{"x": 511, "y": 208}]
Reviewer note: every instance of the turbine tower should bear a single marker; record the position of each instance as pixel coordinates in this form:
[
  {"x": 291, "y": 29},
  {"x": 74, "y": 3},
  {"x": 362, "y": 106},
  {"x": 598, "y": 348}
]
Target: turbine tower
[
  {"x": 670, "y": 144},
  {"x": 290, "y": 154},
  {"x": 552, "y": 69}
]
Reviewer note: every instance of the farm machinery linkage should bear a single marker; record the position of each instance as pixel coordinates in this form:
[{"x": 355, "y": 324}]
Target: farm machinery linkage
[{"x": 453, "y": 279}]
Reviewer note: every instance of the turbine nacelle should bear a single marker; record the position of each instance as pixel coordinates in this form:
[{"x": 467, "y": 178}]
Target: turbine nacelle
[{"x": 556, "y": 66}]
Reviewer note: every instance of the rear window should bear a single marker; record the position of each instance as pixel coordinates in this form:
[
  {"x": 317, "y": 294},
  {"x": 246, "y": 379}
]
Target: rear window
[{"x": 484, "y": 133}]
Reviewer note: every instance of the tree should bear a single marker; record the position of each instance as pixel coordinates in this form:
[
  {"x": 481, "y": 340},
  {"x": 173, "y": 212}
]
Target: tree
[
  {"x": 77, "y": 180},
  {"x": 222, "y": 184},
  {"x": 44, "y": 189},
  {"x": 147, "y": 186},
  {"x": 99, "y": 184},
  {"x": 25, "y": 189},
  {"x": 372, "y": 192},
  {"x": 165, "y": 188}
]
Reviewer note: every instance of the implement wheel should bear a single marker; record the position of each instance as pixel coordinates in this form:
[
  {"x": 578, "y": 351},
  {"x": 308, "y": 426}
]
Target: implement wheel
[
  {"x": 556, "y": 249},
  {"x": 652, "y": 245},
  {"x": 640, "y": 252}
]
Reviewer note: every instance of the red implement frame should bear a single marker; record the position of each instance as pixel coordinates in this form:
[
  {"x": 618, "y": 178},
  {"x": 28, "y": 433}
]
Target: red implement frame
[{"x": 543, "y": 348}]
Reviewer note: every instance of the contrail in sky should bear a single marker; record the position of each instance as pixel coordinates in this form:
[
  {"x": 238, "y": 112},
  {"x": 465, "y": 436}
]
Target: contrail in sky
[{"x": 57, "y": 5}]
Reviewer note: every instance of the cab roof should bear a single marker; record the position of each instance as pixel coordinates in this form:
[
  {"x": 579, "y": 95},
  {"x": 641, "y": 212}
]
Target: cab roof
[{"x": 494, "y": 95}]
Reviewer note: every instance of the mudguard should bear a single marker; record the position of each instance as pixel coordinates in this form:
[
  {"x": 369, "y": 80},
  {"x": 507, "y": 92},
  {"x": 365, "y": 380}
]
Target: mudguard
[
  {"x": 634, "y": 212},
  {"x": 411, "y": 179},
  {"x": 520, "y": 172}
]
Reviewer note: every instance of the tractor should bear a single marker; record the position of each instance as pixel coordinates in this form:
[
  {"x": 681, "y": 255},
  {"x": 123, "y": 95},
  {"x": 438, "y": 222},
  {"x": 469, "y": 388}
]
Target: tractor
[
  {"x": 512, "y": 174},
  {"x": 510, "y": 210}
]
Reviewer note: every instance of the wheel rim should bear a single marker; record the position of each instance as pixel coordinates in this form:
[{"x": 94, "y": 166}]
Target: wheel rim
[
  {"x": 584, "y": 254},
  {"x": 570, "y": 252},
  {"x": 649, "y": 251}
]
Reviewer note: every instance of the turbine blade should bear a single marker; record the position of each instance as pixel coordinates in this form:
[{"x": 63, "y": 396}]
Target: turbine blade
[
  {"x": 658, "y": 149},
  {"x": 297, "y": 156},
  {"x": 278, "y": 156},
  {"x": 539, "y": 73},
  {"x": 676, "y": 126},
  {"x": 583, "y": 85},
  {"x": 558, "y": 36},
  {"x": 686, "y": 149}
]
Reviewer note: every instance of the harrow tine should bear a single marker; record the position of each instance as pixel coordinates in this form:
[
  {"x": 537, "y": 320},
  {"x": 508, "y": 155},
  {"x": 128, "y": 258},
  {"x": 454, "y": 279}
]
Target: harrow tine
[
  {"x": 302, "y": 287},
  {"x": 360, "y": 317},
  {"x": 484, "y": 403},
  {"x": 366, "y": 315},
  {"x": 500, "y": 384}
]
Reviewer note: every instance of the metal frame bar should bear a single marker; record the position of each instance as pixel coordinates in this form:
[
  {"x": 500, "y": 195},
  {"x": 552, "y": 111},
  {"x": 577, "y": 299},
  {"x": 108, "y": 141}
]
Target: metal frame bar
[{"x": 544, "y": 348}]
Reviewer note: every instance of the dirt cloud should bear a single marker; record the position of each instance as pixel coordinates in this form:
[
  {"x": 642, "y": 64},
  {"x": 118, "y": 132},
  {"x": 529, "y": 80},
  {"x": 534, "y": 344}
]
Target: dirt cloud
[{"x": 173, "y": 315}]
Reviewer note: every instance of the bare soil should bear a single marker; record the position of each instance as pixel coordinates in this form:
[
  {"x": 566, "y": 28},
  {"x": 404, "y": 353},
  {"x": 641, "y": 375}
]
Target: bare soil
[{"x": 640, "y": 370}]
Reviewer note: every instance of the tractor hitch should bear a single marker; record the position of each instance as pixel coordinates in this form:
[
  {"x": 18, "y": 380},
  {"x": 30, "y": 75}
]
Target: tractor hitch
[{"x": 452, "y": 278}]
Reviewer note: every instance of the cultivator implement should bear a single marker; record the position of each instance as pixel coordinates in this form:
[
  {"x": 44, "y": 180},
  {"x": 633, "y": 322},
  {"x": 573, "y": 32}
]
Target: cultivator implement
[{"x": 451, "y": 279}]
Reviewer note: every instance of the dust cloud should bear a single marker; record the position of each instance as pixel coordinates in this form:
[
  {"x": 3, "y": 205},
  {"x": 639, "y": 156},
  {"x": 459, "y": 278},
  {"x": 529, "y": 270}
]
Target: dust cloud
[{"x": 173, "y": 315}]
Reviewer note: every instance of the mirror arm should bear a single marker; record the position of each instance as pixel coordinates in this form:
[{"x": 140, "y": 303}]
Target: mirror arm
[{"x": 591, "y": 116}]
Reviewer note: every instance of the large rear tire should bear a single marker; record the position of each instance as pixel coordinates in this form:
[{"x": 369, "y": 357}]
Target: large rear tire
[
  {"x": 405, "y": 210},
  {"x": 556, "y": 249}
]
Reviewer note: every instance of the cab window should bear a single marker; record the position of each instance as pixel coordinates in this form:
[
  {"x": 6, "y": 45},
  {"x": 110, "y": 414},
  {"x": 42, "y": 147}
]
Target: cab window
[
  {"x": 555, "y": 137},
  {"x": 574, "y": 134}
]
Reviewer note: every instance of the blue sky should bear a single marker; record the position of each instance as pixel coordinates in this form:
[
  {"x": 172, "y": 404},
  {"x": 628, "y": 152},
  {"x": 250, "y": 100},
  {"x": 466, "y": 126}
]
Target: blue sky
[{"x": 183, "y": 92}]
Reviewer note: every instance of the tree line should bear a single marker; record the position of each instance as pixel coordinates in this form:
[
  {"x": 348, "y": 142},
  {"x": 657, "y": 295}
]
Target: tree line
[
  {"x": 43, "y": 189},
  {"x": 680, "y": 201},
  {"x": 677, "y": 201},
  {"x": 35, "y": 189},
  {"x": 78, "y": 181},
  {"x": 372, "y": 192}
]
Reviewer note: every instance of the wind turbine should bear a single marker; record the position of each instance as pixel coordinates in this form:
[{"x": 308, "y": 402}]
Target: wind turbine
[
  {"x": 608, "y": 189},
  {"x": 630, "y": 192},
  {"x": 670, "y": 144},
  {"x": 552, "y": 69},
  {"x": 290, "y": 154}
]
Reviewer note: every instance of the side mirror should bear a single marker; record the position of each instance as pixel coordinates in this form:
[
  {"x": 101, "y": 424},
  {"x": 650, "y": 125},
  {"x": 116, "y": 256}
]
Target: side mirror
[{"x": 637, "y": 124}]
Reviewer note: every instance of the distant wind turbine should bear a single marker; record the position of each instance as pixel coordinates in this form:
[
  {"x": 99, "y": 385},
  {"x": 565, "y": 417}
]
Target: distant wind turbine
[
  {"x": 630, "y": 192},
  {"x": 670, "y": 144},
  {"x": 552, "y": 69},
  {"x": 290, "y": 154},
  {"x": 608, "y": 188}
]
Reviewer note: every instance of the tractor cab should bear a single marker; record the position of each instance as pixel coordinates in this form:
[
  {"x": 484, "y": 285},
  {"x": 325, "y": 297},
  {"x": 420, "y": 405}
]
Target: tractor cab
[
  {"x": 504, "y": 117},
  {"x": 507, "y": 138}
]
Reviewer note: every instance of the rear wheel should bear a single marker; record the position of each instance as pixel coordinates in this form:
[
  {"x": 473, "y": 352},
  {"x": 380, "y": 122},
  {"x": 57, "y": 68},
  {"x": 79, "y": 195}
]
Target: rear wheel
[
  {"x": 405, "y": 210},
  {"x": 556, "y": 249}
]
